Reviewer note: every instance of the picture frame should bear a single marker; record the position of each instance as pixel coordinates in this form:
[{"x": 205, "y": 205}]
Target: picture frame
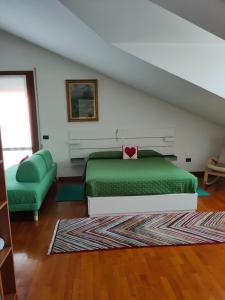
[{"x": 82, "y": 100}]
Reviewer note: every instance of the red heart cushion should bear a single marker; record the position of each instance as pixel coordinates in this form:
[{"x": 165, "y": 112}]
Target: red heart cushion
[{"x": 130, "y": 151}]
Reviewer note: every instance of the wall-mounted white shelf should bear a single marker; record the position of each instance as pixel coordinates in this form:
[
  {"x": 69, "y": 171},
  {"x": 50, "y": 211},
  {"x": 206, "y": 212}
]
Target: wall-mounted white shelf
[
  {"x": 76, "y": 162},
  {"x": 83, "y": 142}
]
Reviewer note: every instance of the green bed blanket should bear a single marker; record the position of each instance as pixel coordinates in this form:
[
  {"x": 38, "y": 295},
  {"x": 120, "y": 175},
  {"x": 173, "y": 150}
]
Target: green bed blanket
[{"x": 144, "y": 176}]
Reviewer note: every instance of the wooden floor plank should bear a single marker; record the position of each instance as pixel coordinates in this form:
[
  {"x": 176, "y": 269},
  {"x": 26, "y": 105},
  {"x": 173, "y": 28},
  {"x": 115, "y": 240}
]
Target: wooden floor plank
[{"x": 183, "y": 273}]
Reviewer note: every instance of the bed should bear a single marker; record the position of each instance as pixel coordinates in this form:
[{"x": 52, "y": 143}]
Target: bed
[{"x": 149, "y": 184}]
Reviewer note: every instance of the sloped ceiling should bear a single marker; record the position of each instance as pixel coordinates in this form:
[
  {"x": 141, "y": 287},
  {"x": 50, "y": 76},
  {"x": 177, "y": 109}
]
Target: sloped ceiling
[
  {"x": 138, "y": 21},
  {"x": 159, "y": 37},
  {"x": 207, "y": 14},
  {"x": 53, "y": 26}
]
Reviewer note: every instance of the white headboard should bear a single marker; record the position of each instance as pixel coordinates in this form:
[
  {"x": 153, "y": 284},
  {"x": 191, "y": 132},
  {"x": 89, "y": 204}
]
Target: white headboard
[{"x": 83, "y": 142}]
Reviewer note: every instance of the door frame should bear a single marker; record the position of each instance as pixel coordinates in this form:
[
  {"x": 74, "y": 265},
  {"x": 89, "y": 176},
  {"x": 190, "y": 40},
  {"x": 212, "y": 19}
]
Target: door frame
[{"x": 31, "y": 105}]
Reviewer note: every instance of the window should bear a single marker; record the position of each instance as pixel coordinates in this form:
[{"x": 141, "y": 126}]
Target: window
[{"x": 17, "y": 116}]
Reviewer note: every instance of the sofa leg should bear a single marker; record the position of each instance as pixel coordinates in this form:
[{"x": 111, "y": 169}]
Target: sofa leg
[{"x": 35, "y": 215}]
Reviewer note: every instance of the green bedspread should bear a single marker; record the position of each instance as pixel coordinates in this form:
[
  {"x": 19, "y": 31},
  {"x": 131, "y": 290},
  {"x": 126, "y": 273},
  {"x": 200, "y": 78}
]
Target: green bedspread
[{"x": 144, "y": 176}]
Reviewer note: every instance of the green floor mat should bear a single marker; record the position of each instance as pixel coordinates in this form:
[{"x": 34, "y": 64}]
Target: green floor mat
[
  {"x": 202, "y": 192},
  {"x": 70, "y": 192}
]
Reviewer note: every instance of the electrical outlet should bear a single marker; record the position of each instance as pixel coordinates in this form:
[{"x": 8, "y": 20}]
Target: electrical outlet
[{"x": 188, "y": 159}]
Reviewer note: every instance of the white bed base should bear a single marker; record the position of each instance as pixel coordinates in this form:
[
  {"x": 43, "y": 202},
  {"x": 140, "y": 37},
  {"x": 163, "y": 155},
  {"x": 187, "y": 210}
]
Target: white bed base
[{"x": 106, "y": 206}]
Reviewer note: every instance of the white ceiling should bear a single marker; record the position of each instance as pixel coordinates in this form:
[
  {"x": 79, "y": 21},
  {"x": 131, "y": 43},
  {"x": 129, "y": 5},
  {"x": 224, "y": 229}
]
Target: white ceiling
[
  {"x": 200, "y": 64},
  {"x": 137, "y": 21},
  {"x": 159, "y": 37},
  {"x": 207, "y": 14},
  {"x": 51, "y": 25}
]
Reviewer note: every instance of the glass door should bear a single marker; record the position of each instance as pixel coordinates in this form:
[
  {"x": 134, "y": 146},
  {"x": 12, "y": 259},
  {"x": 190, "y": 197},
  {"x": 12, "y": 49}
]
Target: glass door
[{"x": 15, "y": 118}]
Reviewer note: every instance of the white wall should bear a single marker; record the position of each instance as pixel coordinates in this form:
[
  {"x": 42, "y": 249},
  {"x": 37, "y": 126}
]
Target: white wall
[
  {"x": 74, "y": 39},
  {"x": 119, "y": 106}
]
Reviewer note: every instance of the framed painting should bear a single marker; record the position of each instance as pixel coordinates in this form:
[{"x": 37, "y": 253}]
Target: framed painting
[{"x": 82, "y": 100}]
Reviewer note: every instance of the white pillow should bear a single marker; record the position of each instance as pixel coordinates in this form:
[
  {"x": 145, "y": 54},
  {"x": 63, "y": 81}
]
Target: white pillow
[{"x": 130, "y": 152}]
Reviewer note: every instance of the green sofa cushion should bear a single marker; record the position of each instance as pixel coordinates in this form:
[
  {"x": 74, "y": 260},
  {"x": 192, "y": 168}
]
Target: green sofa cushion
[
  {"x": 47, "y": 157},
  {"x": 32, "y": 169},
  {"x": 25, "y": 196}
]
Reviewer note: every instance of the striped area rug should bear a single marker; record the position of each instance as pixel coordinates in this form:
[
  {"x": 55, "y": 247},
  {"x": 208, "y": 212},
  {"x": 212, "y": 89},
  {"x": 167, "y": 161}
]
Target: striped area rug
[{"x": 104, "y": 233}]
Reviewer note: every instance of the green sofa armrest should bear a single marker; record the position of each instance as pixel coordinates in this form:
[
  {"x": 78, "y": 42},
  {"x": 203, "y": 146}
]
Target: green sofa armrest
[
  {"x": 47, "y": 157},
  {"x": 31, "y": 170}
]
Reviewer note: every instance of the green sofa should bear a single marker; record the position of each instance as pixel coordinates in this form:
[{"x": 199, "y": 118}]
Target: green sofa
[{"x": 28, "y": 183}]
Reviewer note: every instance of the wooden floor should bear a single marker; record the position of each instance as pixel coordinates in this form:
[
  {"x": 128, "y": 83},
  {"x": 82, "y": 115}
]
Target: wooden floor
[{"x": 185, "y": 272}]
